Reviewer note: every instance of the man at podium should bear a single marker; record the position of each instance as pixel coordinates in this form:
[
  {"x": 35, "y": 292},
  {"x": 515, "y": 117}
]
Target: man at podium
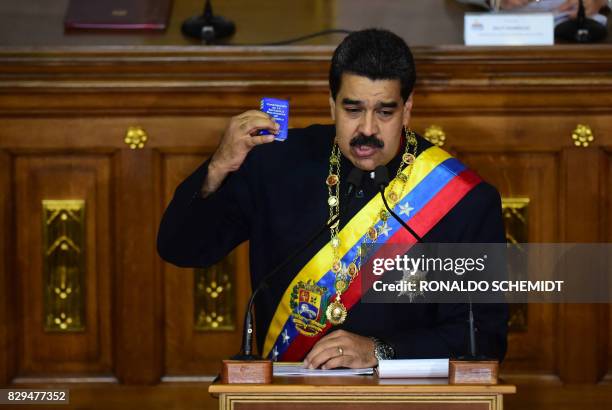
[{"x": 277, "y": 194}]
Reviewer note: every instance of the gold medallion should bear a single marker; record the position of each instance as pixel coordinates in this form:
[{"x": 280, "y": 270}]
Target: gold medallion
[
  {"x": 372, "y": 234},
  {"x": 384, "y": 215},
  {"x": 393, "y": 197},
  {"x": 332, "y": 201},
  {"x": 336, "y": 313},
  {"x": 332, "y": 180},
  {"x": 403, "y": 177},
  {"x": 408, "y": 158},
  {"x": 340, "y": 285},
  {"x": 336, "y": 267},
  {"x": 352, "y": 270}
]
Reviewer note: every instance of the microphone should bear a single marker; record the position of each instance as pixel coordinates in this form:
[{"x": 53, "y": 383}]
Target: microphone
[
  {"x": 582, "y": 29},
  {"x": 472, "y": 332},
  {"x": 246, "y": 352},
  {"x": 381, "y": 180},
  {"x": 208, "y": 27},
  {"x": 473, "y": 356}
]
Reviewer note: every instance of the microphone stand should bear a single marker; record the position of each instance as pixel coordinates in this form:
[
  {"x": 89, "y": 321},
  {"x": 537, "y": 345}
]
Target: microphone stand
[
  {"x": 473, "y": 356},
  {"x": 472, "y": 332}
]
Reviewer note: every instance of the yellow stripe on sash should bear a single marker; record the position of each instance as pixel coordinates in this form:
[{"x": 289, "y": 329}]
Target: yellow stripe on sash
[{"x": 349, "y": 235}]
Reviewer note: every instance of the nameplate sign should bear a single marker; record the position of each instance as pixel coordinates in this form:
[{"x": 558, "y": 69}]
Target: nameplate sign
[{"x": 509, "y": 29}]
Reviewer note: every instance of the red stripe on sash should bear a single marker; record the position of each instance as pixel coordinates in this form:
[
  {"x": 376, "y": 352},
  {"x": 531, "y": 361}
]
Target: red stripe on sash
[{"x": 422, "y": 222}]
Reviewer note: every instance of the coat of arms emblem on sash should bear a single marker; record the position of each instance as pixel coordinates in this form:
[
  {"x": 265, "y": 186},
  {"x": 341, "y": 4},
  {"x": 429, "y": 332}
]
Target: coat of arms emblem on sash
[{"x": 307, "y": 306}]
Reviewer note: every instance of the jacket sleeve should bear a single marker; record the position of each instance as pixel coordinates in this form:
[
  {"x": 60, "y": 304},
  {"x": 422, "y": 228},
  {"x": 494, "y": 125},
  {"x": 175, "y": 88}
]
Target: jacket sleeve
[
  {"x": 448, "y": 336},
  {"x": 198, "y": 232}
]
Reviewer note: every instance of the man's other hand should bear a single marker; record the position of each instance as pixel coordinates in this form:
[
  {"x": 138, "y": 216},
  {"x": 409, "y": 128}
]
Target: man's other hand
[{"x": 341, "y": 349}]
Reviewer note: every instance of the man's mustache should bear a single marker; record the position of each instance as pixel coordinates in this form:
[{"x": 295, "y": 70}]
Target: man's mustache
[{"x": 369, "y": 140}]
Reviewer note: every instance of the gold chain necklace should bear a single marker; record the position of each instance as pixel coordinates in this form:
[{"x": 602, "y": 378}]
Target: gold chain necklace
[{"x": 336, "y": 311}]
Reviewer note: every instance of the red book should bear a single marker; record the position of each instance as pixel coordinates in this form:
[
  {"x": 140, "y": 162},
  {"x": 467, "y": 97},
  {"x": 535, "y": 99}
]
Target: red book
[{"x": 117, "y": 14}]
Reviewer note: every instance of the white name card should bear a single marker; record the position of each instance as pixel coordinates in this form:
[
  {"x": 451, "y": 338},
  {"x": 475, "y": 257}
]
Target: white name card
[{"x": 509, "y": 29}]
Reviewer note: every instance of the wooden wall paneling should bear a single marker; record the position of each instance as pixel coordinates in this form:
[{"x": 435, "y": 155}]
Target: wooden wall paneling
[
  {"x": 582, "y": 332},
  {"x": 188, "y": 351},
  {"x": 8, "y": 317},
  {"x": 44, "y": 353},
  {"x": 139, "y": 300}
]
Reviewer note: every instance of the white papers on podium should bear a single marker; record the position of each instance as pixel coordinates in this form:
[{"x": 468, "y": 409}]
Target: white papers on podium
[
  {"x": 420, "y": 368},
  {"x": 297, "y": 369}
]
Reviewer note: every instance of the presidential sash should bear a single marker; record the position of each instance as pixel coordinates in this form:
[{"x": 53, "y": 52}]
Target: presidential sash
[{"x": 436, "y": 183}]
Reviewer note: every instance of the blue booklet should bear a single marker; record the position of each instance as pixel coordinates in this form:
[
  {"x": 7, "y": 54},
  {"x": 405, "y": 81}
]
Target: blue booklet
[{"x": 279, "y": 111}]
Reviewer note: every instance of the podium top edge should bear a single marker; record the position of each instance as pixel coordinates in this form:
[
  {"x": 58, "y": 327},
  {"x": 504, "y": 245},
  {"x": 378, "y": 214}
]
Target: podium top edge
[{"x": 360, "y": 385}]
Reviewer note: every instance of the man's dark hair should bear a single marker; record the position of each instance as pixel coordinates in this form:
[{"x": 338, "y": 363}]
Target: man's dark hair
[{"x": 376, "y": 54}]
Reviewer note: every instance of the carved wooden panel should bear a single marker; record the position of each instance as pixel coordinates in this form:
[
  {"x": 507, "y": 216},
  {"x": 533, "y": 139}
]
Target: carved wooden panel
[
  {"x": 64, "y": 244},
  {"x": 515, "y": 211},
  {"x": 87, "y": 178},
  {"x": 214, "y": 297}
]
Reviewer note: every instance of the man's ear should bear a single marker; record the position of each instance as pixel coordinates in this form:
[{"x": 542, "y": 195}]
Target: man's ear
[
  {"x": 332, "y": 107},
  {"x": 408, "y": 109}
]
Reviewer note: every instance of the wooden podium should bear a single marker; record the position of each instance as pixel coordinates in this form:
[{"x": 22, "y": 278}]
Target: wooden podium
[{"x": 359, "y": 392}]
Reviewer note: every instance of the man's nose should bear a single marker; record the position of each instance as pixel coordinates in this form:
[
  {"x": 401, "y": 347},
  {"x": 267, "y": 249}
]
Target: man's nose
[{"x": 368, "y": 124}]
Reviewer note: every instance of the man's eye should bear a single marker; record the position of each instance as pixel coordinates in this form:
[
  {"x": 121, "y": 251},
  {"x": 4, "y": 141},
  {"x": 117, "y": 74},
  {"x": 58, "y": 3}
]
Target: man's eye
[
  {"x": 386, "y": 113},
  {"x": 353, "y": 110}
]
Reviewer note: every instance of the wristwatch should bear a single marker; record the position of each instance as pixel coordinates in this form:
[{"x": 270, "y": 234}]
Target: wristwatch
[{"x": 382, "y": 351}]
